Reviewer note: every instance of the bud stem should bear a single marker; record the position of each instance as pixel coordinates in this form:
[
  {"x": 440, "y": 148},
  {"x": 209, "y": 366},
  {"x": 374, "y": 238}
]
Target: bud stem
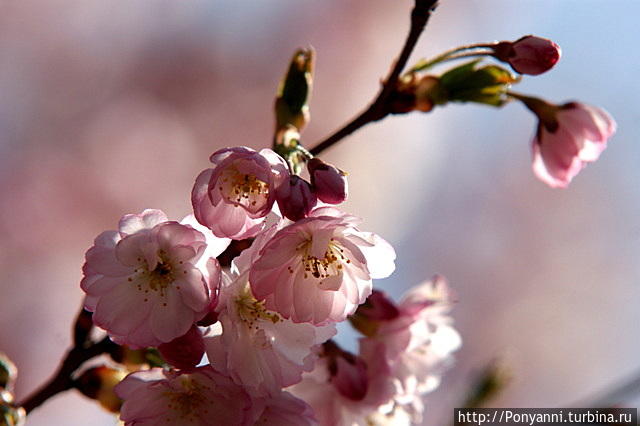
[{"x": 457, "y": 53}]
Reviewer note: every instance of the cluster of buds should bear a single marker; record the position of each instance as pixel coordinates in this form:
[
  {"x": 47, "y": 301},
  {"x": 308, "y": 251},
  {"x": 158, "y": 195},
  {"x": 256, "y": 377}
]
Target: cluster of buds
[{"x": 265, "y": 324}]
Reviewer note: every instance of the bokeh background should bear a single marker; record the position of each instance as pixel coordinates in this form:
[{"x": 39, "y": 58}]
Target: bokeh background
[{"x": 108, "y": 108}]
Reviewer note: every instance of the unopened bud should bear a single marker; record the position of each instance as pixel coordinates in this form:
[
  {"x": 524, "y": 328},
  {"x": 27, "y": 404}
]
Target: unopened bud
[
  {"x": 295, "y": 198},
  {"x": 98, "y": 383},
  {"x": 367, "y": 318},
  {"x": 185, "y": 351},
  {"x": 329, "y": 182},
  {"x": 294, "y": 91},
  {"x": 8, "y": 373},
  {"x": 528, "y": 55},
  {"x": 429, "y": 93},
  {"x": 348, "y": 371},
  {"x": 351, "y": 378}
]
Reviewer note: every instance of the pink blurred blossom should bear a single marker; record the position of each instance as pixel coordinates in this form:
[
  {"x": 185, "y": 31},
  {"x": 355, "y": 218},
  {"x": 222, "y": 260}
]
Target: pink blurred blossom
[
  {"x": 575, "y": 135},
  {"x": 417, "y": 344},
  {"x": 148, "y": 282},
  {"x": 346, "y": 390},
  {"x": 201, "y": 397},
  {"x": 233, "y": 198},
  {"x": 319, "y": 269}
]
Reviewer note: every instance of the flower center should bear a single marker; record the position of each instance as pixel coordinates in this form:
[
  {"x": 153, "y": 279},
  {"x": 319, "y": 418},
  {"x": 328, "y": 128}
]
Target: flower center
[
  {"x": 243, "y": 189},
  {"x": 324, "y": 267},
  {"x": 185, "y": 404},
  {"x": 252, "y": 311},
  {"x": 158, "y": 279}
]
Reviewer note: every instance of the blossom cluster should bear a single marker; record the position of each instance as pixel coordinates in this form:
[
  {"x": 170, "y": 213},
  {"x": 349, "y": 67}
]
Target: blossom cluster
[
  {"x": 249, "y": 340},
  {"x": 251, "y": 343}
]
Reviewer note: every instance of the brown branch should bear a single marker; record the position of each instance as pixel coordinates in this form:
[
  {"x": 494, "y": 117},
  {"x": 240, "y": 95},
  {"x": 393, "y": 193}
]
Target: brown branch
[
  {"x": 62, "y": 380},
  {"x": 380, "y": 106}
]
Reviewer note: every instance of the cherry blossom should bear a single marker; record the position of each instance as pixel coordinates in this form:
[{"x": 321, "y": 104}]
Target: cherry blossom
[
  {"x": 201, "y": 397},
  {"x": 149, "y": 282},
  {"x": 346, "y": 390},
  {"x": 233, "y": 198},
  {"x": 568, "y": 137},
  {"x": 416, "y": 344},
  {"x": 257, "y": 347},
  {"x": 319, "y": 269}
]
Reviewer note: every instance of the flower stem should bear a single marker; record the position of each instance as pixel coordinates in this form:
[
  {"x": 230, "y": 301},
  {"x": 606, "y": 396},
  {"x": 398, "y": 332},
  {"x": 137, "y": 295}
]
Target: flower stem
[
  {"x": 457, "y": 53},
  {"x": 379, "y": 108}
]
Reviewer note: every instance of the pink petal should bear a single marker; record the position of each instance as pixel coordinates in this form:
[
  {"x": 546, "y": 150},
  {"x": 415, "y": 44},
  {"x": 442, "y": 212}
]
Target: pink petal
[
  {"x": 171, "y": 320},
  {"x": 132, "y": 223}
]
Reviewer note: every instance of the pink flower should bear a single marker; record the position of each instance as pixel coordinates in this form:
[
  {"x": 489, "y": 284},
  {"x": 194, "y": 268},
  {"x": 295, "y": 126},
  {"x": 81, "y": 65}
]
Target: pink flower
[
  {"x": 319, "y": 269},
  {"x": 295, "y": 198},
  {"x": 257, "y": 347},
  {"x": 201, "y": 397},
  {"x": 417, "y": 344},
  {"x": 149, "y": 282},
  {"x": 344, "y": 389},
  {"x": 568, "y": 137},
  {"x": 529, "y": 55},
  {"x": 329, "y": 182},
  {"x": 233, "y": 198}
]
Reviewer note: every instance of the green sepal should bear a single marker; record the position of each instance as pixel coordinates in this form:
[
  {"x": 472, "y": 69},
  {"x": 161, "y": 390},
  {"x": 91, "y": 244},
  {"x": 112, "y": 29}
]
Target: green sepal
[
  {"x": 487, "y": 85},
  {"x": 154, "y": 359}
]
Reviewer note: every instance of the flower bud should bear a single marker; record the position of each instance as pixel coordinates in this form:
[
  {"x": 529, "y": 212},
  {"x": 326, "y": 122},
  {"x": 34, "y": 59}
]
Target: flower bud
[
  {"x": 378, "y": 307},
  {"x": 8, "y": 373},
  {"x": 184, "y": 351},
  {"x": 528, "y": 55},
  {"x": 295, "y": 198},
  {"x": 351, "y": 378},
  {"x": 329, "y": 182},
  {"x": 98, "y": 383},
  {"x": 295, "y": 89},
  {"x": 348, "y": 371}
]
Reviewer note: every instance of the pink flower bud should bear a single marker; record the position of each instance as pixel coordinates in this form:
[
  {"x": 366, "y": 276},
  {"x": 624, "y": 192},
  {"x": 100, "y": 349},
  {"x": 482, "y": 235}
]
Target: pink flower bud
[
  {"x": 575, "y": 134},
  {"x": 529, "y": 55},
  {"x": 378, "y": 307},
  {"x": 329, "y": 182},
  {"x": 350, "y": 377},
  {"x": 295, "y": 198},
  {"x": 184, "y": 351}
]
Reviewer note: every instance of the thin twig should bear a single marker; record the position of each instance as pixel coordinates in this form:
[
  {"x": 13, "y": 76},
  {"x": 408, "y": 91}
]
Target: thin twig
[{"x": 379, "y": 108}]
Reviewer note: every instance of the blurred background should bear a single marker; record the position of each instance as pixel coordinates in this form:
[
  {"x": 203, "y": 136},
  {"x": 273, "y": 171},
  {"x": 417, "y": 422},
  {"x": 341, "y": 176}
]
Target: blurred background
[{"x": 108, "y": 108}]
